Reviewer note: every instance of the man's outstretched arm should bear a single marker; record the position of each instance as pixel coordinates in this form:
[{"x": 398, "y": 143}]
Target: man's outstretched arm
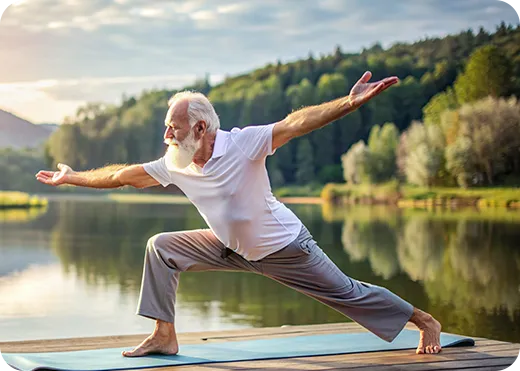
[
  {"x": 315, "y": 117},
  {"x": 112, "y": 176}
]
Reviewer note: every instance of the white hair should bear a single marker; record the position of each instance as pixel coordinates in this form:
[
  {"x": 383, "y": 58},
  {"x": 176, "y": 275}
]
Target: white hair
[{"x": 199, "y": 109}]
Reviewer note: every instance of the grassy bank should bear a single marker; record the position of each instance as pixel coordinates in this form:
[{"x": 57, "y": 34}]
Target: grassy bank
[
  {"x": 393, "y": 193},
  {"x": 20, "y": 200},
  {"x": 298, "y": 191}
]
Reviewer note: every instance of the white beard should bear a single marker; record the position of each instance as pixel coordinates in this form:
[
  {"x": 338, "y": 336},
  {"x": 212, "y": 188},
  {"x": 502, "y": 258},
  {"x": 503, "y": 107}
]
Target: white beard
[{"x": 181, "y": 156}]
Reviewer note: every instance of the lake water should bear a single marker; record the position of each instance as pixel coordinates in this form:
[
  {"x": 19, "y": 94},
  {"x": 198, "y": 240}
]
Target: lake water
[{"x": 74, "y": 270}]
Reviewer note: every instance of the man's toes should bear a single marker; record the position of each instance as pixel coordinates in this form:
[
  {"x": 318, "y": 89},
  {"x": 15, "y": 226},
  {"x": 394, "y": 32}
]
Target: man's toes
[
  {"x": 437, "y": 349},
  {"x": 420, "y": 350},
  {"x": 134, "y": 353}
]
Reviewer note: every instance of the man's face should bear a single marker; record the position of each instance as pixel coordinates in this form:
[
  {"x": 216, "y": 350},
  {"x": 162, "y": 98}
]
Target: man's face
[{"x": 180, "y": 137}]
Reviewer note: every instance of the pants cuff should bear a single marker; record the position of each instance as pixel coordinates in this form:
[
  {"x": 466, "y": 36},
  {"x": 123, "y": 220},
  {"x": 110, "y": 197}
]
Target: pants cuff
[{"x": 156, "y": 316}]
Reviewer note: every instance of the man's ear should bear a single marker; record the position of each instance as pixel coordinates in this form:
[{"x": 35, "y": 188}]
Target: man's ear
[{"x": 200, "y": 128}]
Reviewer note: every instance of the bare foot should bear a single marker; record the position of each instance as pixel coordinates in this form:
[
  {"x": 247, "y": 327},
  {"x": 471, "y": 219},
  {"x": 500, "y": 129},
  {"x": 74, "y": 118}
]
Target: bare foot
[
  {"x": 430, "y": 330},
  {"x": 162, "y": 341}
]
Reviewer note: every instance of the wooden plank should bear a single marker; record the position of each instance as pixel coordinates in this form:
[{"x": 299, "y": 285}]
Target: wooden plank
[
  {"x": 496, "y": 349},
  {"x": 485, "y": 368},
  {"x": 410, "y": 356},
  {"x": 452, "y": 365},
  {"x": 368, "y": 360}
]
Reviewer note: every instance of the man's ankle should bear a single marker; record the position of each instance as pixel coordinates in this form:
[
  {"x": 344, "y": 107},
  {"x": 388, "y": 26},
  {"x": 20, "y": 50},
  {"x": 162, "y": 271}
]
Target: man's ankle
[
  {"x": 164, "y": 328},
  {"x": 420, "y": 318}
]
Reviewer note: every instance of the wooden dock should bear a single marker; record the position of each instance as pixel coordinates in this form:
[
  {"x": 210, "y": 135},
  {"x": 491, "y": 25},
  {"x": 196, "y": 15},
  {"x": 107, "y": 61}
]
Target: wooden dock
[{"x": 485, "y": 355}]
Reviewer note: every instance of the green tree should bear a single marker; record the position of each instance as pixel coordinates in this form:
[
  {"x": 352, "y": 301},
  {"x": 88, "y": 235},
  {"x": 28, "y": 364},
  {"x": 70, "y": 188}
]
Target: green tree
[
  {"x": 382, "y": 145},
  {"x": 424, "y": 154},
  {"x": 329, "y": 87},
  {"x": 492, "y": 126},
  {"x": 275, "y": 174},
  {"x": 352, "y": 161},
  {"x": 459, "y": 161},
  {"x": 301, "y": 95},
  {"x": 488, "y": 72},
  {"x": 304, "y": 162},
  {"x": 438, "y": 105}
]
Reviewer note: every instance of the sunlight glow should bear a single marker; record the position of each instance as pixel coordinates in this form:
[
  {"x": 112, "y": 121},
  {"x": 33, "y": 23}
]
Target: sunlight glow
[{"x": 51, "y": 100}]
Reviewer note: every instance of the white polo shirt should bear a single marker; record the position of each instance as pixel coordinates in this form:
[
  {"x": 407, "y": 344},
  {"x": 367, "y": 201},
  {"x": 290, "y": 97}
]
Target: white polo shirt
[{"x": 233, "y": 194}]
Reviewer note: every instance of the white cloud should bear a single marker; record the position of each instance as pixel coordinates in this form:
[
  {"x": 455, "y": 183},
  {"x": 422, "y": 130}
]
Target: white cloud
[
  {"x": 52, "y": 25},
  {"x": 232, "y": 8},
  {"x": 203, "y": 15},
  {"x": 151, "y": 12}
]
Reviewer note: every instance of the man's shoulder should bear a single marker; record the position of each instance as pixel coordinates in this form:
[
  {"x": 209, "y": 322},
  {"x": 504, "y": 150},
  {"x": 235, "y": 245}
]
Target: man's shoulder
[{"x": 250, "y": 129}]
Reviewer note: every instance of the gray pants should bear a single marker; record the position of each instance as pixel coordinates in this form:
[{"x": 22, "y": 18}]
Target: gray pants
[{"x": 301, "y": 265}]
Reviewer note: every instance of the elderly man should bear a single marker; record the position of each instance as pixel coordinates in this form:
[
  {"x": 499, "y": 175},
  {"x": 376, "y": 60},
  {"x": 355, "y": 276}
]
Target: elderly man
[{"x": 224, "y": 175}]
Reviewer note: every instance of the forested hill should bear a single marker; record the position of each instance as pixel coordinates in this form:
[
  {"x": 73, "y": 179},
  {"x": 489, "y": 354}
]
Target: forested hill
[{"x": 132, "y": 132}]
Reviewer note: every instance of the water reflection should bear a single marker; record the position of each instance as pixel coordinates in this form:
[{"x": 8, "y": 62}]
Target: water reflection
[
  {"x": 469, "y": 268},
  {"x": 21, "y": 215},
  {"x": 464, "y": 268}
]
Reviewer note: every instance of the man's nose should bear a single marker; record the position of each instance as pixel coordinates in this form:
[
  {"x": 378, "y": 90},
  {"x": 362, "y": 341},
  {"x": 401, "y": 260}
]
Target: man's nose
[{"x": 168, "y": 134}]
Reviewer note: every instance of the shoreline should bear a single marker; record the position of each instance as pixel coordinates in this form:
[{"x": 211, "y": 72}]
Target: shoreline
[
  {"x": 336, "y": 195},
  {"x": 155, "y": 198},
  {"x": 404, "y": 196},
  {"x": 13, "y": 200}
]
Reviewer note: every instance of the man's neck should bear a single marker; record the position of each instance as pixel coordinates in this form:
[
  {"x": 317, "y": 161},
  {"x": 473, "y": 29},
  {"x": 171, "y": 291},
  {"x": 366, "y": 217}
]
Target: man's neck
[{"x": 206, "y": 150}]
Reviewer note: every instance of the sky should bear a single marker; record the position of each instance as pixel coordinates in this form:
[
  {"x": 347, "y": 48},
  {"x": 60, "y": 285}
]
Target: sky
[{"x": 56, "y": 55}]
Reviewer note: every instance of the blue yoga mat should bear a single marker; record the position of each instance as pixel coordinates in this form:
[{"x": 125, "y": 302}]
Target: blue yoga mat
[{"x": 287, "y": 347}]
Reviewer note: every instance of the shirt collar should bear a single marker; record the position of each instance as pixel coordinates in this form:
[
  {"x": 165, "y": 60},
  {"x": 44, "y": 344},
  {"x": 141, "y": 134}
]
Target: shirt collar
[{"x": 220, "y": 144}]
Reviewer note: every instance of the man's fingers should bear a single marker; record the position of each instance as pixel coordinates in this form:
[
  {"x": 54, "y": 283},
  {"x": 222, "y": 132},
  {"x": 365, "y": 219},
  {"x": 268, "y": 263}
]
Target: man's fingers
[
  {"x": 384, "y": 84},
  {"x": 377, "y": 90},
  {"x": 389, "y": 81},
  {"x": 41, "y": 176},
  {"x": 46, "y": 173},
  {"x": 366, "y": 77},
  {"x": 44, "y": 180}
]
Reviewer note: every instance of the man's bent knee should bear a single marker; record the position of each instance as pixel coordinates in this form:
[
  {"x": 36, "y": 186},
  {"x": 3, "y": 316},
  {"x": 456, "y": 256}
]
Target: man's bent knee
[
  {"x": 156, "y": 242},
  {"x": 168, "y": 248}
]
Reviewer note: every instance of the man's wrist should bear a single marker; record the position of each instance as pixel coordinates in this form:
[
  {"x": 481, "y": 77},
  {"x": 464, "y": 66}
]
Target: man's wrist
[
  {"x": 70, "y": 178},
  {"x": 350, "y": 104}
]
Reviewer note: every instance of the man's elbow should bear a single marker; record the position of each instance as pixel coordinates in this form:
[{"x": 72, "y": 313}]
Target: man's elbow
[
  {"x": 124, "y": 178},
  {"x": 283, "y": 132},
  {"x": 136, "y": 177}
]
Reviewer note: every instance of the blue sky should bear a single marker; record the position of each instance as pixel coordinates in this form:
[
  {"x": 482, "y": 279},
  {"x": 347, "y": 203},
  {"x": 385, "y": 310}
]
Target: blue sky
[{"x": 58, "y": 54}]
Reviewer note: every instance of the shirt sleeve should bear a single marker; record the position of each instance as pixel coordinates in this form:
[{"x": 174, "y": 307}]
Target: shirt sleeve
[
  {"x": 157, "y": 169},
  {"x": 255, "y": 142}
]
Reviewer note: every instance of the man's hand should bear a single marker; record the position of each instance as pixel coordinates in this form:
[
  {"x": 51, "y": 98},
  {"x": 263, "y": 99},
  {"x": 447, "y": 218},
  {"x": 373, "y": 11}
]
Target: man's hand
[
  {"x": 363, "y": 91},
  {"x": 312, "y": 118},
  {"x": 55, "y": 178}
]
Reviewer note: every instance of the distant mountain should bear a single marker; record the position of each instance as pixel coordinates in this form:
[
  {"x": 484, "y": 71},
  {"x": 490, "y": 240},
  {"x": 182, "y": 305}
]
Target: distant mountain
[
  {"x": 51, "y": 127},
  {"x": 18, "y": 133}
]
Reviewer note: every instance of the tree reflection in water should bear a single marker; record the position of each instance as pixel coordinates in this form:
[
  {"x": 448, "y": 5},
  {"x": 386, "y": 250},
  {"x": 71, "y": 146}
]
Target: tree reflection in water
[{"x": 467, "y": 264}]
